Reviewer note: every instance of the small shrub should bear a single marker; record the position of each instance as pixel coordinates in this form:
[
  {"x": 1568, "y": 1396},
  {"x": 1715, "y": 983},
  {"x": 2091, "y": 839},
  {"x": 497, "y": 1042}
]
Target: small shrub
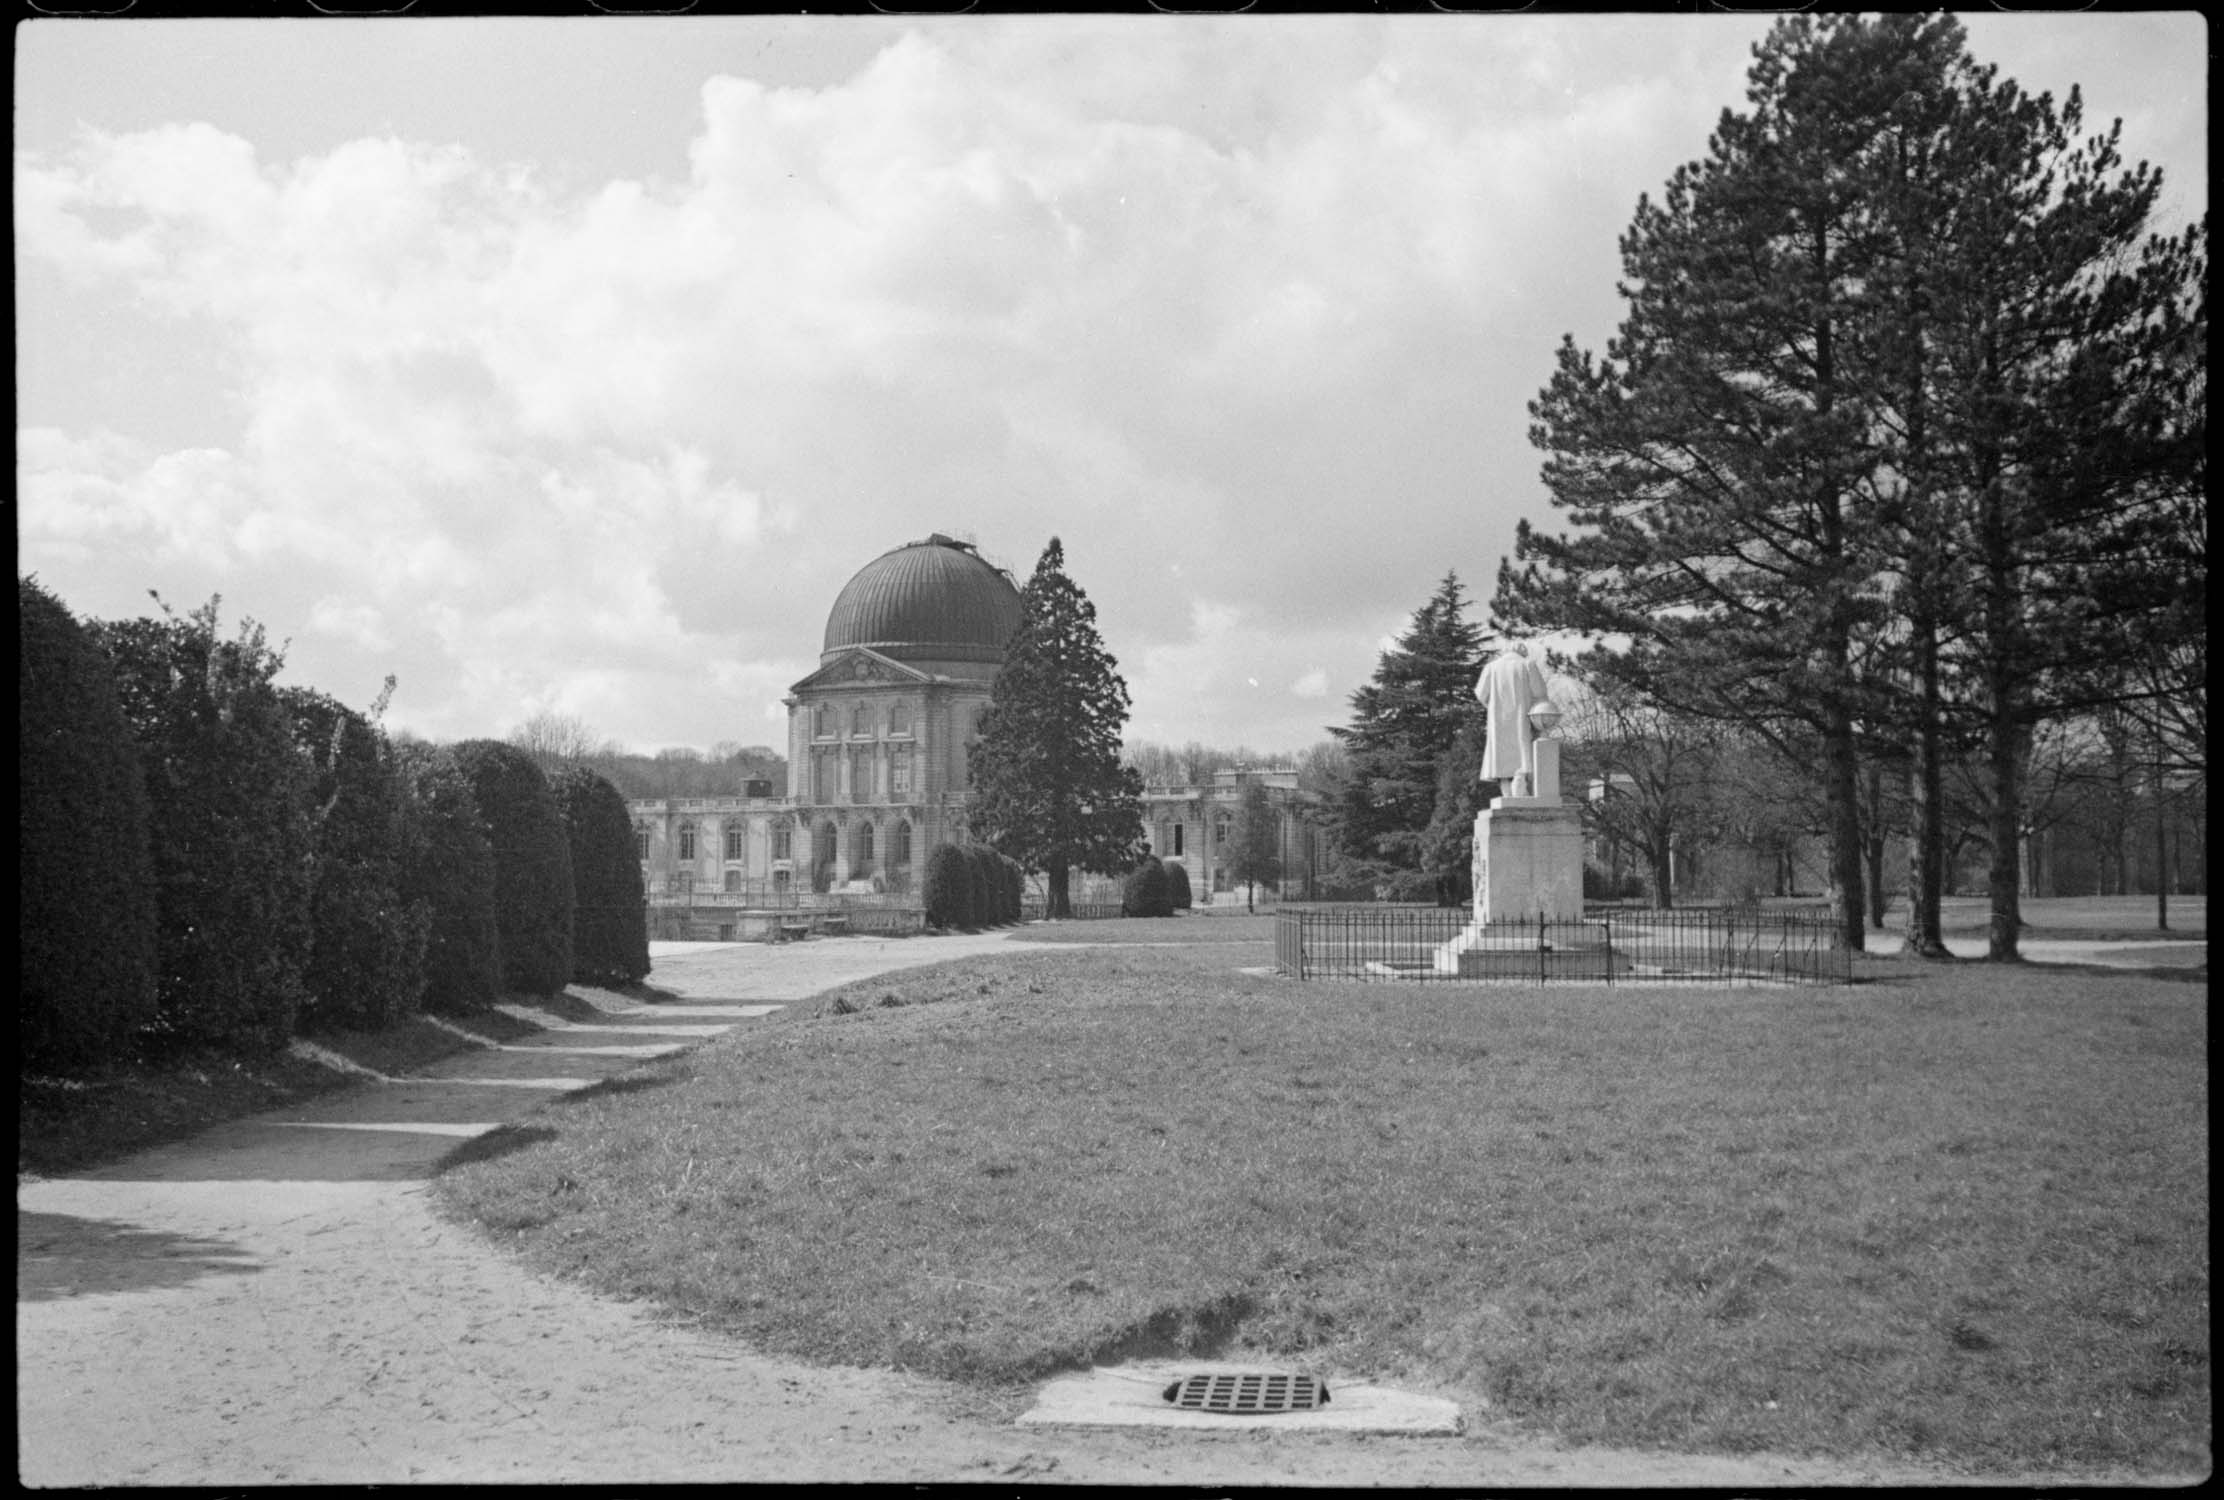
[
  {"x": 949, "y": 895},
  {"x": 980, "y": 869},
  {"x": 1144, "y": 893},
  {"x": 1177, "y": 888}
]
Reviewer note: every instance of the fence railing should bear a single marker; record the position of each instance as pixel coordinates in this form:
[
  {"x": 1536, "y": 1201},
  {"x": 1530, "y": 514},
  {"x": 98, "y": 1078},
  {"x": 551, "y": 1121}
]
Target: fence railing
[
  {"x": 1033, "y": 908},
  {"x": 1607, "y": 945}
]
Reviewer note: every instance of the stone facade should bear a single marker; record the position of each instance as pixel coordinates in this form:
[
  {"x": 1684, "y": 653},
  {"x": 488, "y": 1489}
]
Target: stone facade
[{"x": 1195, "y": 827}]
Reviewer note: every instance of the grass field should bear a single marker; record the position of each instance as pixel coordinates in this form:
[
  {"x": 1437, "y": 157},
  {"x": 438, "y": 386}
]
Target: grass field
[{"x": 1956, "y": 1214}]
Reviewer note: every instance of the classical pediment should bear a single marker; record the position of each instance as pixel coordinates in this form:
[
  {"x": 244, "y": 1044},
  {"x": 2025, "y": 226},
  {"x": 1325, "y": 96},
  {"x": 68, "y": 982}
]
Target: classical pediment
[{"x": 861, "y": 666}]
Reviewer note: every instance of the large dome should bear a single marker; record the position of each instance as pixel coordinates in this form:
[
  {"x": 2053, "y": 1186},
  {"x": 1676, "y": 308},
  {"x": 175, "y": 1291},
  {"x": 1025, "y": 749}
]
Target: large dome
[{"x": 931, "y": 603}]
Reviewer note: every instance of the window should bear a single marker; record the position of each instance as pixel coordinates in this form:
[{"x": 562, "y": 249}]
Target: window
[
  {"x": 899, "y": 772},
  {"x": 858, "y": 728},
  {"x": 734, "y": 841},
  {"x": 822, "y": 722},
  {"x": 1220, "y": 832},
  {"x": 641, "y": 844},
  {"x": 780, "y": 844},
  {"x": 733, "y": 880},
  {"x": 861, "y": 853},
  {"x": 899, "y": 718},
  {"x": 899, "y": 846},
  {"x": 1177, "y": 838},
  {"x": 687, "y": 841}
]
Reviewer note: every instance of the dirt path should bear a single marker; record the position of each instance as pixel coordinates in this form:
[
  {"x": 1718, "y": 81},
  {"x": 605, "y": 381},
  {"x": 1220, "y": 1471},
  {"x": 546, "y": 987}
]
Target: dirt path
[{"x": 275, "y": 1302}]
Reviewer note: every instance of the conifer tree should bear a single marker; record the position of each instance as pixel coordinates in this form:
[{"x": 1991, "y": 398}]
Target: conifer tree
[
  {"x": 1049, "y": 787},
  {"x": 1403, "y": 726}
]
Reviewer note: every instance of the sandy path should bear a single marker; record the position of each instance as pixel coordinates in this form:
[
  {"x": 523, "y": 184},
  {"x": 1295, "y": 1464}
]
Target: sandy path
[{"x": 275, "y": 1302}]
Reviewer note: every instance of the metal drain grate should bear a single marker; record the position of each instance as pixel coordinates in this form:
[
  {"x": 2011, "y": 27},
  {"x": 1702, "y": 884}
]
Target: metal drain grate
[{"x": 1247, "y": 1395}]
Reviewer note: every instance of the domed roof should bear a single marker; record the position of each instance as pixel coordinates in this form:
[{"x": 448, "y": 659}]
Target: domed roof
[{"x": 930, "y": 601}]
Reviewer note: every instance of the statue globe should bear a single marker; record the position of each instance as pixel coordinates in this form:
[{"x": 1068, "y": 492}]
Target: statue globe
[{"x": 1544, "y": 717}]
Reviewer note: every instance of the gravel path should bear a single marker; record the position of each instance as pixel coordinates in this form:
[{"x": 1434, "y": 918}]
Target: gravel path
[{"x": 275, "y": 1302}]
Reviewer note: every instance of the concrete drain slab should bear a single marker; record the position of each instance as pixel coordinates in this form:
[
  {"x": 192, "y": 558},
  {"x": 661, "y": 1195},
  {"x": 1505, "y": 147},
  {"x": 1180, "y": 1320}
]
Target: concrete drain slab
[{"x": 1133, "y": 1396}]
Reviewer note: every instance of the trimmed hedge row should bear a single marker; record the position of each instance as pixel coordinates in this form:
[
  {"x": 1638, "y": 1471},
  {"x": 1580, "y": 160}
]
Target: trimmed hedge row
[
  {"x": 270, "y": 862},
  {"x": 1144, "y": 892},
  {"x": 87, "y": 985}
]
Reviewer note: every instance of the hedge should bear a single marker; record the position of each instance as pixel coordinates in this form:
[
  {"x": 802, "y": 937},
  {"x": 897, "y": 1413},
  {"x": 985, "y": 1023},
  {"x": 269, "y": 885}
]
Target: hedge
[
  {"x": 1177, "y": 886},
  {"x": 448, "y": 868},
  {"x": 87, "y": 982},
  {"x": 1144, "y": 893},
  {"x": 532, "y": 864},
  {"x": 229, "y": 830},
  {"x": 366, "y": 964},
  {"x": 949, "y": 893},
  {"x": 610, "y": 912}
]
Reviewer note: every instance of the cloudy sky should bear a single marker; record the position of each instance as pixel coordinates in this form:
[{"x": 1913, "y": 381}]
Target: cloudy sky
[{"x": 575, "y": 364}]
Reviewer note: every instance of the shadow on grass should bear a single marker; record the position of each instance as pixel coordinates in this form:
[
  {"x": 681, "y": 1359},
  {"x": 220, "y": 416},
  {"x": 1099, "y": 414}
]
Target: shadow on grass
[
  {"x": 496, "y": 1143},
  {"x": 623, "y": 1083},
  {"x": 60, "y": 1255}
]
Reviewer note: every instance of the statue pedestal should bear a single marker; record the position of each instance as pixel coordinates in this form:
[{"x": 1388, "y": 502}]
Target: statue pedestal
[{"x": 1528, "y": 861}]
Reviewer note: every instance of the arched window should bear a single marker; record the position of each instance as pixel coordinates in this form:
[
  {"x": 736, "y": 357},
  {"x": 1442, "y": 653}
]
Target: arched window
[
  {"x": 1220, "y": 832},
  {"x": 782, "y": 843},
  {"x": 861, "y": 853},
  {"x": 899, "y": 846},
  {"x": 823, "y": 850},
  {"x": 734, "y": 836},
  {"x": 641, "y": 844},
  {"x": 687, "y": 841}
]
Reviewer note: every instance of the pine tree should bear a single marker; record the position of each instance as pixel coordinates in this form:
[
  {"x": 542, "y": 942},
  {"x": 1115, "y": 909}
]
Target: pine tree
[
  {"x": 1722, "y": 459},
  {"x": 1403, "y": 726},
  {"x": 1049, "y": 788}
]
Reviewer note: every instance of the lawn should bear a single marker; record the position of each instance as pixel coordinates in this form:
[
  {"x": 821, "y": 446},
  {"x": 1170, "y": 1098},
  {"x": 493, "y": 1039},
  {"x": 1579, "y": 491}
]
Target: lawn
[{"x": 1957, "y": 1214}]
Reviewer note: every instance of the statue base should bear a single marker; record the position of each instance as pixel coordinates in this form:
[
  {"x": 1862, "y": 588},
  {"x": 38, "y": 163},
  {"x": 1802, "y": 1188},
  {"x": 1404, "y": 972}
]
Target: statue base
[{"x": 1528, "y": 866}]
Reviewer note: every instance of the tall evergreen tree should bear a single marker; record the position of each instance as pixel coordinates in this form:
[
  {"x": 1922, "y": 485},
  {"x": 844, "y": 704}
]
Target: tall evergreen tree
[
  {"x": 1049, "y": 788},
  {"x": 1403, "y": 726},
  {"x": 87, "y": 981}
]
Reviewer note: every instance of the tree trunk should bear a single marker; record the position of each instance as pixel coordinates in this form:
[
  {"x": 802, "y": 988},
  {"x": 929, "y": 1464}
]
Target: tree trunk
[
  {"x": 1056, "y": 903},
  {"x": 1926, "y": 855},
  {"x": 1842, "y": 794}
]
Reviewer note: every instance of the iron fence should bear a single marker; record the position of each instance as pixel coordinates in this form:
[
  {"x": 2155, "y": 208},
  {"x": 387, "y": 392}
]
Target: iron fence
[
  {"x": 1034, "y": 908},
  {"x": 1607, "y": 945}
]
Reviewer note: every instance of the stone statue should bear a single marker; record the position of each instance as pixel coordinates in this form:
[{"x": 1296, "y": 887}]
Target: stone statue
[{"x": 1510, "y": 686}]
